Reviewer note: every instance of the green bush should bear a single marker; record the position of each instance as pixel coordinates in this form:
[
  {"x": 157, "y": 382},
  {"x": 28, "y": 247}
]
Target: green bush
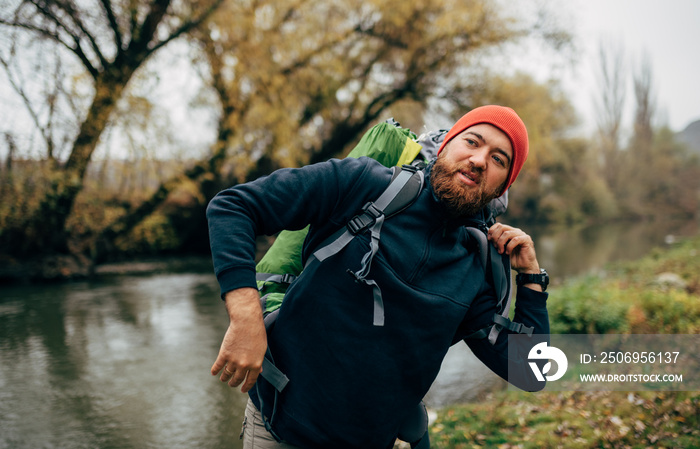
[
  {"x": 631, "y": 299},
  {"x": 587, "y": 307},
  {"x": 152, "y": 236},
  {"x": 671, "y": 312}
]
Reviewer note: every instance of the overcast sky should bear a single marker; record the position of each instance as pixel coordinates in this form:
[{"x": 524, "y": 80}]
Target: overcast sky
[{"x": 669, "y": 31}]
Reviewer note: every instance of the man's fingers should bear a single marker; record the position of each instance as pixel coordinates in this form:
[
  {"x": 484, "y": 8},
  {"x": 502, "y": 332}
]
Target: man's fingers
[
  {"x": 243, "y": 347},
  {"x": 250, "y": 380},
  {"x": 246, "y": 377},
  {"x": 218, "y": 365},
  {"x": 237, "y": 377},
  {"x": 513, "y": 243},
  {"x": 506, "y": 239},
  {"x": 227, "y": 373}
]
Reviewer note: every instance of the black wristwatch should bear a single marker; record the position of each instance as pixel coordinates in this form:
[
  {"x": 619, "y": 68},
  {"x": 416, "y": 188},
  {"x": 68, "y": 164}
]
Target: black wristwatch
[{"x": 528, "y": 278}]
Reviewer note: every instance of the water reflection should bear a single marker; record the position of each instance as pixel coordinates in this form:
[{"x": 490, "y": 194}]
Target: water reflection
[
  {"x": 578, "y": 250},
  {"x": 115, "y": 364}
]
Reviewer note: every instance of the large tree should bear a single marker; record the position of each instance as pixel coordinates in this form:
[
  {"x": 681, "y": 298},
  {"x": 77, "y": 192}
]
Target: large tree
[{"x": 111, "y": 40}]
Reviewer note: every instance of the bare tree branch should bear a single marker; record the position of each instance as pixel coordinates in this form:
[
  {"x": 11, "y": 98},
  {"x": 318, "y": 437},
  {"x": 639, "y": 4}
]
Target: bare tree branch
[
  {"x": 190, "y": 25},
  {"x": 54, "y": 36},
  {"x": 107, "y": 6},
  {"x": 74, "y": 15},
  {"x": 44, "y": 130},
  {"x": 644, "y": 108},
  {"x": 144, "y": 35}
]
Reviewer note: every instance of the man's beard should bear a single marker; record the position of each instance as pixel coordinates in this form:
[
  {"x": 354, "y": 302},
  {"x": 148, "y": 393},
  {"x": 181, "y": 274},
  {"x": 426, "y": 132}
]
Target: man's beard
[{"x": 460, "y": 201}]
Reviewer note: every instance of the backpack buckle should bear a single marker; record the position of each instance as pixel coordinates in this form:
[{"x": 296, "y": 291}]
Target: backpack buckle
[
  {"x": 518, "y": 328},
  {"x": 525, "y": 330},
  {"x": 362, "y": 221},
  {"x": 287, "y": 278}
]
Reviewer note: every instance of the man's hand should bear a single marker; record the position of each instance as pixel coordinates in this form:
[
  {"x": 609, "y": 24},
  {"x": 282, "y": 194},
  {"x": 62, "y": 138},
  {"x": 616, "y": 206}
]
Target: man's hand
[
  {"x": 519, "y": 246},
  {"x": 244, "y": 345}
]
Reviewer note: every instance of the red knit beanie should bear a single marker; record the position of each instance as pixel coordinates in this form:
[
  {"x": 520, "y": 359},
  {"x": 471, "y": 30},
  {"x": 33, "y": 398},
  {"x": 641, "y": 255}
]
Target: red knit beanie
[{"x": 504, "y": 119}]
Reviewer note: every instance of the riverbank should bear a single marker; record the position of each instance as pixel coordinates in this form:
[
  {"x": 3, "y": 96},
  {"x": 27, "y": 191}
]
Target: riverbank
[
  {"x": 572, "y": 420},
  {"x": 659, "y": 294},
  {"x": 66, "y": 268}
]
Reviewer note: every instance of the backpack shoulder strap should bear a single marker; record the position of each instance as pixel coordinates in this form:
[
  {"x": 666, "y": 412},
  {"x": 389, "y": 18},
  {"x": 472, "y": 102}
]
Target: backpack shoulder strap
[
  {"x": 402, "y": 191},
  {"x": 499, "y": 266}
]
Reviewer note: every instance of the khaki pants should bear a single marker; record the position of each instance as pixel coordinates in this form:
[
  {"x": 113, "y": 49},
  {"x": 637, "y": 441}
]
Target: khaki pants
[{"x": 254, "y": 434}]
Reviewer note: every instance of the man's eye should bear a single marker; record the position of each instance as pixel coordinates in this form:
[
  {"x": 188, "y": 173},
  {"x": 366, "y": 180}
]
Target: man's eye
[
  {"x": 471, "y": 142},
  {"x": 498, "y": 160}
]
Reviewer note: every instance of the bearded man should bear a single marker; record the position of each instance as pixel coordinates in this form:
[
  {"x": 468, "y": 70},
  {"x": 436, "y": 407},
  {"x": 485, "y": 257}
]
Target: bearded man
[{"x": 354, "y": 383}]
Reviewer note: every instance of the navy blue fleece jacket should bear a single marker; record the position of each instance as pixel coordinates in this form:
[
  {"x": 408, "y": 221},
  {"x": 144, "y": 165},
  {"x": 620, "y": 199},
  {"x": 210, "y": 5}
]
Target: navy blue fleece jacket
[{"x": 352, "y": 383}]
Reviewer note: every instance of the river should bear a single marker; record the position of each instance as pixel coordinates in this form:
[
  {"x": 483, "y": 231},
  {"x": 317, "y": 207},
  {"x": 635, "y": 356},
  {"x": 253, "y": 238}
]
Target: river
[{"x": 123, "y": 361}]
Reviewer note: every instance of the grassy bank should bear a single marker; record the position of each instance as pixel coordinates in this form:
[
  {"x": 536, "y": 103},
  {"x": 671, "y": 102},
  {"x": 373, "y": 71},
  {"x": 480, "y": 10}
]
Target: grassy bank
[
  {"x": 659, "y": 294},
  {"x": 572, "y": 420}
]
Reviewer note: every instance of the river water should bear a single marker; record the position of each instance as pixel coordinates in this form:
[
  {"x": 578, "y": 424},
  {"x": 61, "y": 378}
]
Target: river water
[{"x": 123, "y": 361}]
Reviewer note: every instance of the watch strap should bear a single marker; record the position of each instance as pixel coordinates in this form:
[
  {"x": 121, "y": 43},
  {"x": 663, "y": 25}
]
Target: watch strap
[{"x": 541, "y": 279}]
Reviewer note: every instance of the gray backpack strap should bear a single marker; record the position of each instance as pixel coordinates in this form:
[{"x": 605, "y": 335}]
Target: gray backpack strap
[
  {"x": 276, "y": 278},
  {"x": 370, "y": 213},
  {"x": 500, "y": 272},
  {"x": 361, "y": 274},
  {"x": 270, "y": 372},
  {"x": 401, "y": 192},
  {"x": 273, "y": 375}
]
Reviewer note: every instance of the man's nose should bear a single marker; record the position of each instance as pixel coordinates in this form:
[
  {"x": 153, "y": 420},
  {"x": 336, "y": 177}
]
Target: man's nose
[{"x": 478, "y": 158}]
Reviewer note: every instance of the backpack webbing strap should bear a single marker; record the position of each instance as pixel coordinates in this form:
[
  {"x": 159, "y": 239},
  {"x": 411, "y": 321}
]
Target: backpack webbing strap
[
  {"x": 505, "y": 323},
  {"x": 268, "y": 422},
  {"x": 277, "y": 278},
  {"x": 270, "y": 372},
  {"x": 273, "y": 375},
  {"x": 359, "y": 222},
  {"x": 361, "y": 274},
  {"x": 401, "y": 192}
]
